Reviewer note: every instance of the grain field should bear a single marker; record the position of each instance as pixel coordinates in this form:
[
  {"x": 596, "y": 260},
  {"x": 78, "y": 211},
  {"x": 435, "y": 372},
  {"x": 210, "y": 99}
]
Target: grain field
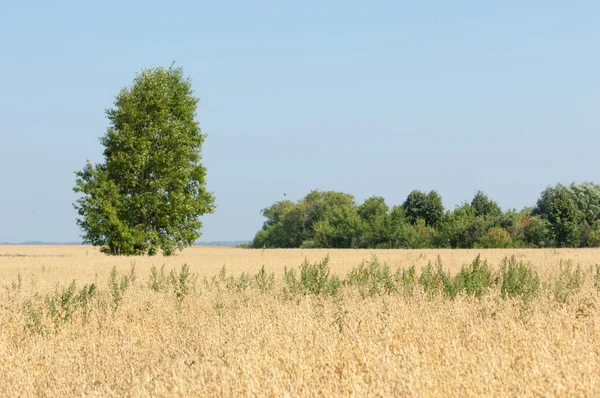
[{"x": 237, "y": 322}]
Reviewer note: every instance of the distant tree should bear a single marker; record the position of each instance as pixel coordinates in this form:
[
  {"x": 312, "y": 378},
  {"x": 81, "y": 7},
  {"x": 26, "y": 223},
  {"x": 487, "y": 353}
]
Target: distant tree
[
  {"x": 563, "y": 216},
  {"x": 536, "y": 232},
  {"x": 150, "y": 191},
  {"x": 291, "y": 224},
  {"x": 428, "y": 207},
  {"x": 319, "y": 204},
  {"x": 484, "y": 206},
  {"x": 284, "y": 226},
  {"x": 339, "y": 229},
  {"x": 375, "y": 231},
  {"x": 496, "y": 238},
  {"x": 593, "y": 238}
]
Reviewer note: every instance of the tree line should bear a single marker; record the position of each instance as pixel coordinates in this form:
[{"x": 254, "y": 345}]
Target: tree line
[{"x": 564, "y": 216}]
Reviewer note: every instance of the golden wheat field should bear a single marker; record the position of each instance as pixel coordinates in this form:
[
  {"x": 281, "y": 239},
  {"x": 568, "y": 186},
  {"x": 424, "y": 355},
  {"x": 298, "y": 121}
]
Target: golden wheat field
[{"x": 209, "y": 331}]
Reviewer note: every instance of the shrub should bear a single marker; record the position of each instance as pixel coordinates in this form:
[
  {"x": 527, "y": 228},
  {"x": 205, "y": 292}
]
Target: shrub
[{"x": 496, "y": 238}]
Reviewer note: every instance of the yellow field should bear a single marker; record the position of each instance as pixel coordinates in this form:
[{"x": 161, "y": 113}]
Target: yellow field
[{"x": 221, "y": 341}]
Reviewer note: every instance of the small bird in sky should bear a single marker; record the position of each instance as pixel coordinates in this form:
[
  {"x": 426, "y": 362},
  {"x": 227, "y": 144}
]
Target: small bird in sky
[{"x": 284, "y": 194}]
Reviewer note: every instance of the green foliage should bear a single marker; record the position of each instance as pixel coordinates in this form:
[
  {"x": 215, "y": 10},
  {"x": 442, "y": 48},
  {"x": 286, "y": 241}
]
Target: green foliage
[
  {"x": 339, "y": 229},
  {"x": 264, "y": 281},
  {"x": 158, "y": 279},
  {"x": 565, "y": 216},
  {"x": 407, "y": 279},
  {"x": 372, "y": 278},
  {"x": 597, "y": 277},
  {"x": 182, "y": 283},
  {"x": 496, "y": 238},
  {"x": 292, "y": 286},
  {"x": 428, "y": 207},
  {"x": 314, "y": 279},
  {"x": 537, "y": 232},
  {"x": 376, "y": 224},
  {"x": 150, "y": 190},
  {"x": 475, "y": 279},
  {"x": 568, "y": 282},
  {"x": 430, "y": 278},
  {"x": 62, "y": 304},
  {"x": 518, "y": 280},
  {"x": 117, "y": 287},
  {"x": 484, "y": 206},
  {"x": 34, "y": 317}
]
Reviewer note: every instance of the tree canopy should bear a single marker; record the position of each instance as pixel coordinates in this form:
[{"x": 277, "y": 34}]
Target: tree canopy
[
  {"x": 565, "y": 216},
  {"x": 150, "y": 191}
]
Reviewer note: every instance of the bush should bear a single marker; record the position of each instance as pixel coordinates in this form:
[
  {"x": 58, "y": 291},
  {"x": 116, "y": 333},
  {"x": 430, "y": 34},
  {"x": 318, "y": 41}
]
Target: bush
[{"x": 496, "y": 238}]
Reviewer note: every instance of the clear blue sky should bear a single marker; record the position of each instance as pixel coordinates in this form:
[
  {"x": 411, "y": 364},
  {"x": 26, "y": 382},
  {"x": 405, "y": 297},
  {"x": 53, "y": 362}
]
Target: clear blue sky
[{"x": 376, "y": 99}]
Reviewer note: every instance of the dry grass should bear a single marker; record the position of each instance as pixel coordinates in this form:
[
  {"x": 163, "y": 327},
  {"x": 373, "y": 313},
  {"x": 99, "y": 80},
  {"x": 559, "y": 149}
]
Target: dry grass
[{"x": 226, "y": 341}]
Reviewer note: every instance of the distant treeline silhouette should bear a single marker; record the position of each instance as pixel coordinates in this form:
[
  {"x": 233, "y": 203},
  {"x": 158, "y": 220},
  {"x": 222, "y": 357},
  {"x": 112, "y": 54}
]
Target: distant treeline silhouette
[{"x": 564, "y": 216}]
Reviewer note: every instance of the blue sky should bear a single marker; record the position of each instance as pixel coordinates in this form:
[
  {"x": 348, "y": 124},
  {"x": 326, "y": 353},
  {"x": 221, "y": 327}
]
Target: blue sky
[{"x": 370, "y": 99}]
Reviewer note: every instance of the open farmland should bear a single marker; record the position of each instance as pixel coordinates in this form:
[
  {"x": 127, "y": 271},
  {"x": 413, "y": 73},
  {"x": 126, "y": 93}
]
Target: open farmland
[{"x": 238, "y": 322}]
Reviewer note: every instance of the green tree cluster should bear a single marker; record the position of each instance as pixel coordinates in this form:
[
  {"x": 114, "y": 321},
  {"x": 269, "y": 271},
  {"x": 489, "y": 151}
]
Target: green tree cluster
[{"x": 565, "y": 216}]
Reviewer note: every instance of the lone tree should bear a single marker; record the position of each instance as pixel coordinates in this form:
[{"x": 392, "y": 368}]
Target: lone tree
[{"x": 150, "y": 191}]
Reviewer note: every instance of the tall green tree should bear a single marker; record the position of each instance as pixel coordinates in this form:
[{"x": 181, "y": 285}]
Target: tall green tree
[
  {"x": 484, "y": 206},
  {"x": 150, "y": 191},
  {"x": 428, "y": 207},
  {"x": 565, "y": 207}
]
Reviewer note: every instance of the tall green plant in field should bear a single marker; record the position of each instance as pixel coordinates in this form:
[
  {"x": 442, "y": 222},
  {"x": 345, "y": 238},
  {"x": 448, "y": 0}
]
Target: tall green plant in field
[
  {"x": 518, "y": 279},
  {"x": 372, "y": 278},
  {"x": 149, "y": 192}
]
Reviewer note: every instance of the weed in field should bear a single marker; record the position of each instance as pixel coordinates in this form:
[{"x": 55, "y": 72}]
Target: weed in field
[
  {"x": 182, "y": 283},
  {"x": 568, "y": 282},
  {"x": 372, "y": 278},
  {"x": 62, "y": 304},
  {"x": 264, "y": 281},
  {"x": 430, "y": 279},
  {"x": 407, "y": 279},
  {"x": 34, "y": 316},
  {"x": 84, "y": 300},
  {"x": 518, "y": 279},
  {"x": 117, "y": 286},
  {"x": 314, "y": 279},
  {"x": 476, "y": 278},
  {"x": 158, "y": 279}
]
